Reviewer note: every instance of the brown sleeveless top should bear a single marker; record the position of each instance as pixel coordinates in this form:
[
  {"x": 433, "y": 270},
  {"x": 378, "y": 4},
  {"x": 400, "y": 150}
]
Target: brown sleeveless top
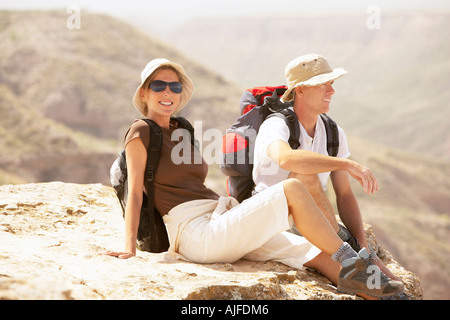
[{"x": 181, "y": 171}]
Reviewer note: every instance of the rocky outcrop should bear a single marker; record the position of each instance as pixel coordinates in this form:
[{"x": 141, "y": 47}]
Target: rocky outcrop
[{"x": 51, "y": 234}]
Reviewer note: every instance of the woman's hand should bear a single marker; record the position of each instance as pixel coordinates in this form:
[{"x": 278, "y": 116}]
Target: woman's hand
[{"x": 120, "y": 255}]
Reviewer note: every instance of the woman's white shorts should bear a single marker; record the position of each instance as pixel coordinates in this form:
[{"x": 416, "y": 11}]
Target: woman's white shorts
[{"x": 212, "y": 231}]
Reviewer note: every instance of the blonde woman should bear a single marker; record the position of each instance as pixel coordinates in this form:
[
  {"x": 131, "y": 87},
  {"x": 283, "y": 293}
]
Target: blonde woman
[{"x": 206, "y": 228}]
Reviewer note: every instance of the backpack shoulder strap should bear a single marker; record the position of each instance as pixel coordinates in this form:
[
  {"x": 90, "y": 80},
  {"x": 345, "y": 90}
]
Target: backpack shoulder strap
[
  {"x": 153, "y": 151},
  {"x": 150, "y": 222},
  {"x": 332, "y": 131},
  {"x": 153, "y": 154},
  {"x": 185, "y": 124},
  {"x": 290, "y": 118}
]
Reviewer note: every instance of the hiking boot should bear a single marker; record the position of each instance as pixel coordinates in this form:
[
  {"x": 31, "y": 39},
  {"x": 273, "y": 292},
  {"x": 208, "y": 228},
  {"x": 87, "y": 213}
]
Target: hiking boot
[{"x": 360, "y": 275}]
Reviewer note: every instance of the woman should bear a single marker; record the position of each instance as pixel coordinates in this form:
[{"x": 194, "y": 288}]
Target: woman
[{"x": 206, "y": 228}]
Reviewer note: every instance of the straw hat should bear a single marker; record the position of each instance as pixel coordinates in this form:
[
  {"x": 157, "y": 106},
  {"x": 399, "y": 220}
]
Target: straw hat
[
  {"x": 152, "y": 67},
  {"x": 309, "y": 70}
]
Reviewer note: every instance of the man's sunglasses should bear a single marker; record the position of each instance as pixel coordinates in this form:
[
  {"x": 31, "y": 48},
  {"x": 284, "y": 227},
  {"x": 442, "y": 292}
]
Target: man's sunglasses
[{"x": 159, "y": 85}]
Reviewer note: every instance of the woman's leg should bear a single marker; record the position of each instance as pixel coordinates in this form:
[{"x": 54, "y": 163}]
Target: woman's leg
[
  {"x": 355, "y": 273},
  {"x": 314, "y": 187},
  {"x": 309, "y": 219}
]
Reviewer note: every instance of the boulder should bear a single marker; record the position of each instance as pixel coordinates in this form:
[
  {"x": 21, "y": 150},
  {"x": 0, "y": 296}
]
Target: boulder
[{"x": 51, "y": 234}]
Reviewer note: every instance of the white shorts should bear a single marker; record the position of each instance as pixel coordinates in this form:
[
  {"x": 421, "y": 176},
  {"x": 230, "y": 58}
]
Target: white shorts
[{"x": 212, "y": 231}]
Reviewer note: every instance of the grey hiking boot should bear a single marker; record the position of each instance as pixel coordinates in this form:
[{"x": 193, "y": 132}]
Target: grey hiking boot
[{"x": 360, "y": 275}]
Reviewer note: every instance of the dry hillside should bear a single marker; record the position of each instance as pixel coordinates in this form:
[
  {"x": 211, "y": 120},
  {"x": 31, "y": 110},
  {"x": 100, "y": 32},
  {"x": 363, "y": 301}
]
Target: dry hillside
[
  {"x": 66, "y": 93},
  {"x": 410, "y": 213}
]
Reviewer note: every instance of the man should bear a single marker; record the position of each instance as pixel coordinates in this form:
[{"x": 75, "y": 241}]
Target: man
[{"x": 310, "y": 85}]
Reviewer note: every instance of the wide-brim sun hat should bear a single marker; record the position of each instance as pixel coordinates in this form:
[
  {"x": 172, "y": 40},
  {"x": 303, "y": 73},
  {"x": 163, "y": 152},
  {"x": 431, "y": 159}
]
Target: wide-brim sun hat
[
  {"x": 154, "y": 66},
  {"x": 308, "y": 70}
]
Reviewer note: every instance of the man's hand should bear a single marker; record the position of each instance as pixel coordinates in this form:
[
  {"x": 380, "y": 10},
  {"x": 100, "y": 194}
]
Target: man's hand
[{"x": 364, "y": 176}]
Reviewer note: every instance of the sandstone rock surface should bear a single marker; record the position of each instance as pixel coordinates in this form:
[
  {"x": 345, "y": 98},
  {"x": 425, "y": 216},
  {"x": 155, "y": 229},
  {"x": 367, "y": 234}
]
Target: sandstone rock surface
[{"x": 51, "y": 234}]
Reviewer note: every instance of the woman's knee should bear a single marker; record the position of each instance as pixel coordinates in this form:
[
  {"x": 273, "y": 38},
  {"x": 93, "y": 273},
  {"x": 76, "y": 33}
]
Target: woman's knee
[{"x": 294, "y": 188}]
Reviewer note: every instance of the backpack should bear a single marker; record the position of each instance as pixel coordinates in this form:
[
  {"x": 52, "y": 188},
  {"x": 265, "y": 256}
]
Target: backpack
[
  {"x": 152, "y": 234},
  {"x": 258, "y": 104}
]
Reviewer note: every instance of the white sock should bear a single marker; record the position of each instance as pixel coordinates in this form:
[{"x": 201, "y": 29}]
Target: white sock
[{"x": 344, "y": 252}]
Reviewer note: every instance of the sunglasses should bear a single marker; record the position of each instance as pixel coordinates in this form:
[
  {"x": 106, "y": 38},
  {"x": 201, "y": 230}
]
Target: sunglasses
[{"x": 159, "y": 85}]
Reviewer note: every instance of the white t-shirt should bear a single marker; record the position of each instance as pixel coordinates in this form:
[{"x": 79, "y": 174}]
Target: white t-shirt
[{"x": 267, "y": 173}]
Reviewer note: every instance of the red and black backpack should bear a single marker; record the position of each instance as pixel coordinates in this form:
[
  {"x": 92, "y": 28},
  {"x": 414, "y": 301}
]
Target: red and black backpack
[{"x": 238, "y": 144}]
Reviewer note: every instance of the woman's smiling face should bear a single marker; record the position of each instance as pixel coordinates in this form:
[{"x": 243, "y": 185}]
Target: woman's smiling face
[{"x": 163, "y": 103}]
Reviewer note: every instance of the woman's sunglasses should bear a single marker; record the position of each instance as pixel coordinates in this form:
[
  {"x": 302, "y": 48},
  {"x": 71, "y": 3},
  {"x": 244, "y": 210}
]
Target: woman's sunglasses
[{"x": 159, "y": 85}]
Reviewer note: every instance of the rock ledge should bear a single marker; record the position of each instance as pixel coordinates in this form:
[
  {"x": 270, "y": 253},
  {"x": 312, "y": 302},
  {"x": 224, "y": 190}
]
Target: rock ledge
[{"x": 51, "y": 234}]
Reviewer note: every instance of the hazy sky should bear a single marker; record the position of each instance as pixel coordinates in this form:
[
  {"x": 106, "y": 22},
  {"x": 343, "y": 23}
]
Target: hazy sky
[{"x": 174, "y": 11}]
